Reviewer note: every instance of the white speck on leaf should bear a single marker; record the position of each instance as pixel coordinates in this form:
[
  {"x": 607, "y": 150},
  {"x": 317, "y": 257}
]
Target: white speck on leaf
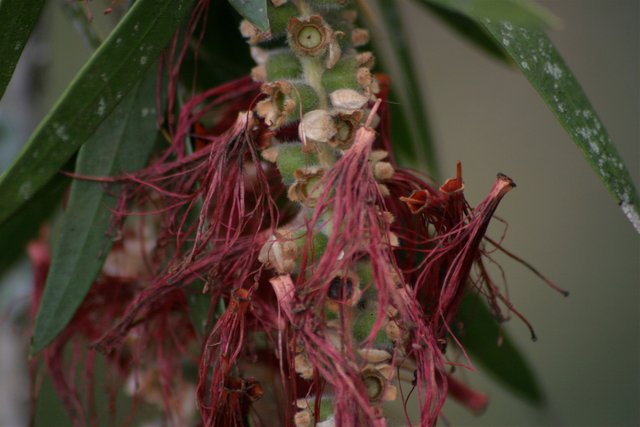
[
  {"x": 61, "y": 132},
  {"x": 584, "y": 132},
  {"x": 632, "y": 214},
  {"x": 143, "y": 60},
  {"x": 594, "y": 148},
  {"x": 524, "y": 65},
  {"x": 26, "y": 190},
  {"x": 553, "y": 69},
  {"x": 18, "y": 46},
  {"x": 505, "y": 41},
  {"x": 102, "y": 107},
  {"x": 508, "y": 26},
  {"x": 144, "y": 112}
]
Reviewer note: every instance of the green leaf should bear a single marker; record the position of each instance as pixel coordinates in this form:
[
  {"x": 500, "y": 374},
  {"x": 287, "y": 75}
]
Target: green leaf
[
  {"x": 469, "y": 30},
  {"x": 17, "y": 20},
  {"x": 541, "y": 63},
  {"x": 112, "y": 71},
  {"x": 518, "y": 12},
  {"x": 410, "y": 128},
  {"x": 254, "y": 11},
  {"x": 512, "y": 25},
  {"x": 25, "y": 223},
  {"x": 122, "y": 143},
  {"x": 479, "y": 337}
]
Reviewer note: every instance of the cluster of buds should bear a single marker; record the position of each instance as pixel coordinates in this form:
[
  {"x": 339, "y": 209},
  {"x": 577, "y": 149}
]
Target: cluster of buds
[{"x": 320, "y": 83}]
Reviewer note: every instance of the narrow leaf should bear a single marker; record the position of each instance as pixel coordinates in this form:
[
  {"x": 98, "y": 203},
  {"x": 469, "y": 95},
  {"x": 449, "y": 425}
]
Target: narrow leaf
[
  {"x": 122, "y": 143},
  {"x": 17, "y": 20},
  {"x": 25, "y": 224},
  {"x": 254, "y": 11},
  {"x": 520, "y": 12},
  {"x": 411, "y": 130},
  {"x": 101, "y": 84},
  {"x": 479, "y": 337},
  {"x": 470, "y": 30},
  {"x": 541, "y": 63}
]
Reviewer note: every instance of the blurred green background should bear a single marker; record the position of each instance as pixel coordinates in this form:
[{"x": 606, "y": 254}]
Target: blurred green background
[{"x": 560, "y": 216}]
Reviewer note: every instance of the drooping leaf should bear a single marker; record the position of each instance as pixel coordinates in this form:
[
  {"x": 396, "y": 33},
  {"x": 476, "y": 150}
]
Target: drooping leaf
[
  {"x": 17, "y": 20},
  {"x": 532, "y": 51},
  {"x": 519, "y": 12},
  {"x": 411, "y": 134},
  {"x": 102, "y": 83},
  {"x": 122, "y": 143},
  {"x": 543, "y": 66},
  {"x": 25, "y": 223},
  {"x": 469, "y": 30},
  {"x": 254, "y": 11},
  {"x": 480, "y": 338}
]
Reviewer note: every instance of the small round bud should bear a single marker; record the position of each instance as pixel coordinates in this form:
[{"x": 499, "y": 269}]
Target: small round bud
[
  {"x": 303, "y": 367},
  {"x": 383, "y": 171},
  {"x": 359, "y": 37},
  {"x": 365, "y": 59},
  {"x": 259, "y": 73},
  {"x": 317, "y": 126},
  {"x": 348, "y": 99}
]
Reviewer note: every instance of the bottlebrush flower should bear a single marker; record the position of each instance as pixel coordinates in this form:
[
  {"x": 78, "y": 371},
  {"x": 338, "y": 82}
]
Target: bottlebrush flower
[{"x": 320, "y": 260}]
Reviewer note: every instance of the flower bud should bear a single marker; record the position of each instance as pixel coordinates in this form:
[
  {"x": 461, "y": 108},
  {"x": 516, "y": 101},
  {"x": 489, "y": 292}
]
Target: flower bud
[
  {"x": 359, "y": 37},
  {"x": 373, "y": 355},
  {"x": 303, "y": 367},
  {"x": 259, "y": 73},
  {"x": 317, "y": 126},
  {"x": 348, "y": 99},
  {"x": 365, "y": 59}
]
